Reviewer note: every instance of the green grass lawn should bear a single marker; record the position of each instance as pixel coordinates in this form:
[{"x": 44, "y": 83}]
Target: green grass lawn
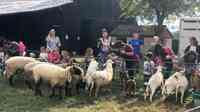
[{"x": 20, "y": 99}]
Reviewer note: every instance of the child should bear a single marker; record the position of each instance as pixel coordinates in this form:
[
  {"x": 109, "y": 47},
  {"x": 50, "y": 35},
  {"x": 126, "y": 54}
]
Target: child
[
  {"x": 66, "y": 58},
  {"x": 54, "y": 57},
  {"x": 21, "y": 48},
  {"x": 148, "y": 67},
  {"x": 43, "y": 54},
  {"x": 89, "y": 54}
]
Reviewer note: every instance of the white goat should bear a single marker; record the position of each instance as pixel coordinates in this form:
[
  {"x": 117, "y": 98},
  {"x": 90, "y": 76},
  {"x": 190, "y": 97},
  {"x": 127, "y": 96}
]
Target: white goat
[
  {"x": 102, "y": 78},
  {"x": 177, "y": 83},
  {"x": 154, "y": 83},
  {"x": 93, "y": 66}
]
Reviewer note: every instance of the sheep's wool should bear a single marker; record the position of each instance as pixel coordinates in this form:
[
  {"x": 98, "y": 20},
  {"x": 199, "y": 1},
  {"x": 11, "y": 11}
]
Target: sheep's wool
[
  {"x": 18, "y": 62},
  {"x": 51, "y": 73}
]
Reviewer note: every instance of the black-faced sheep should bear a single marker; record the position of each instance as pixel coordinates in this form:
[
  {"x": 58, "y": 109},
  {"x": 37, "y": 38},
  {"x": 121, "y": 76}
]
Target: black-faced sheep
[
  {"x": 55, "y": 76},
  {"x": 77, "y": 74},
  {"x": 13, "y": 64}
]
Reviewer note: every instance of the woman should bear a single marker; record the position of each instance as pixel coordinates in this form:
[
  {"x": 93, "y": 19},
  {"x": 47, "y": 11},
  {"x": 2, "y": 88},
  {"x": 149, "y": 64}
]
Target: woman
[
  {"x": 168, "y": 59},
  {"x": 158, "y": 52},
  {"x": 53, "y": 41},
  {"x": 105, "y": 42},
  {"x": 191, "y": 56}
]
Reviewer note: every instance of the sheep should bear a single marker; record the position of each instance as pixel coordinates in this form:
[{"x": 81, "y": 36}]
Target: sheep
[
  {"x": 177, "y": 83},
  {"x": 54, "y": 75},
  {"x": 156, "y": 81},
  {"x": 102, "y": 78},
  {"x": 77, "y": 74},
  {"x": 15, "y": 63},
  {"x": 93, "y": 66},
  {"x": 27, "y": 71}
]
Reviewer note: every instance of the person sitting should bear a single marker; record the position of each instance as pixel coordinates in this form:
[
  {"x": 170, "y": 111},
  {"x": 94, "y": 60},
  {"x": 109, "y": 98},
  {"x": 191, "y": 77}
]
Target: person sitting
[
  {"x": 54, "y": 57},
  {"x": 65, "y": 57},
  {"x": 43, "y": 54},
  {"x": 21, "y": 48},
  {"x": 89, "y": 54}
]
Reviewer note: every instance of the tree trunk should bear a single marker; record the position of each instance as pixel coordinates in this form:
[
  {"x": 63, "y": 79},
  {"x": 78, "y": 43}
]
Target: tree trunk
[{"x": 160, "y": 20}]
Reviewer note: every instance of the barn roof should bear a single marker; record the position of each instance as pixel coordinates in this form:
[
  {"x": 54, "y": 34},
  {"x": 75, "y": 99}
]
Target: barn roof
[
  {"x": 19, "y": 6},
  {"x": 124, "y": 30}
]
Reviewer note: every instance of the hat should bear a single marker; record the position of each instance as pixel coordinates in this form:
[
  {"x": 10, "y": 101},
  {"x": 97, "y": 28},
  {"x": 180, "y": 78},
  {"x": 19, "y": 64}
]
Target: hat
[
  {"x": 149, "y": 55},
  {"x": 104, "y": 30},
  {"x": 52, "y": 30}
]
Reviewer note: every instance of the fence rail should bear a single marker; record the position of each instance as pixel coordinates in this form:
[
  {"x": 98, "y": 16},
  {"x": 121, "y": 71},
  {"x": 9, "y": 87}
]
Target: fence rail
[{"x": 195, "y": 109}]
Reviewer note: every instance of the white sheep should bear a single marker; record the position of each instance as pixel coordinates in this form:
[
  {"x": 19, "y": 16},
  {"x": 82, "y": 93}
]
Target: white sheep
[
  {"x": 16, "y": 63},
  {"x": 27, "y": 72},
  {"x": 177, "y": 83},
  {"x": 154, "y": 83},
  {"x": 93, "y": 66},
  {"x": 102, "y": 78},
  {"x": 54, "y": 75}
]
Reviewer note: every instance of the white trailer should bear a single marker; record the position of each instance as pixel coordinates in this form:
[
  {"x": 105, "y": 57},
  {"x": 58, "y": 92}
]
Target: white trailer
[{"x": 188, "y": 27}]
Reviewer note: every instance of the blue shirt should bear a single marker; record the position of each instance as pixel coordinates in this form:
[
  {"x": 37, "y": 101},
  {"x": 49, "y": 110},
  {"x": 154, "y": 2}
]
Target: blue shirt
[{"x": 136, "y": 44}]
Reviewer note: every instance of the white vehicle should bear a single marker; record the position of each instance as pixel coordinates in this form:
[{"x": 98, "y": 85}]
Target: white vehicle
[{"x": 188, "y": 27}]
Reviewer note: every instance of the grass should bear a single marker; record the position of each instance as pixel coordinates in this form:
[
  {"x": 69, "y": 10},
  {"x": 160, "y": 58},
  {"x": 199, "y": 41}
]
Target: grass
[{"x": 21, "y": 99}]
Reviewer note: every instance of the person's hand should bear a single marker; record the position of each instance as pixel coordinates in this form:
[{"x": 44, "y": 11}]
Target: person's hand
[
  {"x": 122, "y": 51},
  {"x": 168, "y": 56}
]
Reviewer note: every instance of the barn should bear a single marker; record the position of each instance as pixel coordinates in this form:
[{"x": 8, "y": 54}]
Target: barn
[{"x": 30, "y": 21}]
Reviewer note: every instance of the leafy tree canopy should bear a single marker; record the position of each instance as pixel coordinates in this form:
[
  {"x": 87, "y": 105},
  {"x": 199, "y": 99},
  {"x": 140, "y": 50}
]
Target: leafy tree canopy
[{"x": 161, "y": 9}]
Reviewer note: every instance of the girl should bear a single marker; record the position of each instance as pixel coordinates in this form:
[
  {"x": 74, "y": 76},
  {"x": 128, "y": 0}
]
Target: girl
[
  {"x": 105, "y": 42},
  {"x": 53, "y": 41},
  {"x": 43, "y": 54}
]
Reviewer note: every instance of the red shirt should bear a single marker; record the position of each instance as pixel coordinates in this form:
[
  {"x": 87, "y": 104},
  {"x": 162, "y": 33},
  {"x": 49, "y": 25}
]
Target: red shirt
[{"x": 54, "y": 57}]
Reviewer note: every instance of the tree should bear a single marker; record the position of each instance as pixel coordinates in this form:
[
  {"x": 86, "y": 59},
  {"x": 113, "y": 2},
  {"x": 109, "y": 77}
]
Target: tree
[{"x": 161, "y": 9}]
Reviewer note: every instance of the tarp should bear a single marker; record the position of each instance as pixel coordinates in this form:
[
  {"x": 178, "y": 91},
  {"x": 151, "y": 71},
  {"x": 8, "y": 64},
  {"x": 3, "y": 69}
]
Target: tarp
[{"x": 19, "y": 6}]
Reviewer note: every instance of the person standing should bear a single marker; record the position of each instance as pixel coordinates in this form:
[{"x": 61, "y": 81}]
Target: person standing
[
  {"x": 168, "y": 59},
  {"x": 158, "y": 52},
  {"x": 136, "y": 44},
  {"x": 53, "y": 41},
  {"x": 191, "y": 57}
]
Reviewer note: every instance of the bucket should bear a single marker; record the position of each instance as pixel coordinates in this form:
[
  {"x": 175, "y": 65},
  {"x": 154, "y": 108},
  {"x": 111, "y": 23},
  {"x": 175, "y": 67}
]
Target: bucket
[{"x": 196, "y": 98}]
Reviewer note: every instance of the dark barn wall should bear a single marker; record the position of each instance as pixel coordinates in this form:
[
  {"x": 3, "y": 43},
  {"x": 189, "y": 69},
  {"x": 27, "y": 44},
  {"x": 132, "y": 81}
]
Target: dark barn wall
[
  {"x": 95, "y": 15},
  {"x": 84, "y": 18},
  {"x": 33, "y": 27}
]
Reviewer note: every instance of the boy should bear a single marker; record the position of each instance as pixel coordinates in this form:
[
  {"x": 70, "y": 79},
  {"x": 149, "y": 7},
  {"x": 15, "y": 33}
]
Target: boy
[
  {"x": 136, "y": 44},
  {"x": 149, "y": 66}
]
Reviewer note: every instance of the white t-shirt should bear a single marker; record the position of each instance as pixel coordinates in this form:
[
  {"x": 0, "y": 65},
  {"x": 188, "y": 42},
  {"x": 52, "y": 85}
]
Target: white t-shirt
[
  {"x": 44, "y": 56},
  {"x": 193, "y": 48},
  {"x": 148, "y": 67}
]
